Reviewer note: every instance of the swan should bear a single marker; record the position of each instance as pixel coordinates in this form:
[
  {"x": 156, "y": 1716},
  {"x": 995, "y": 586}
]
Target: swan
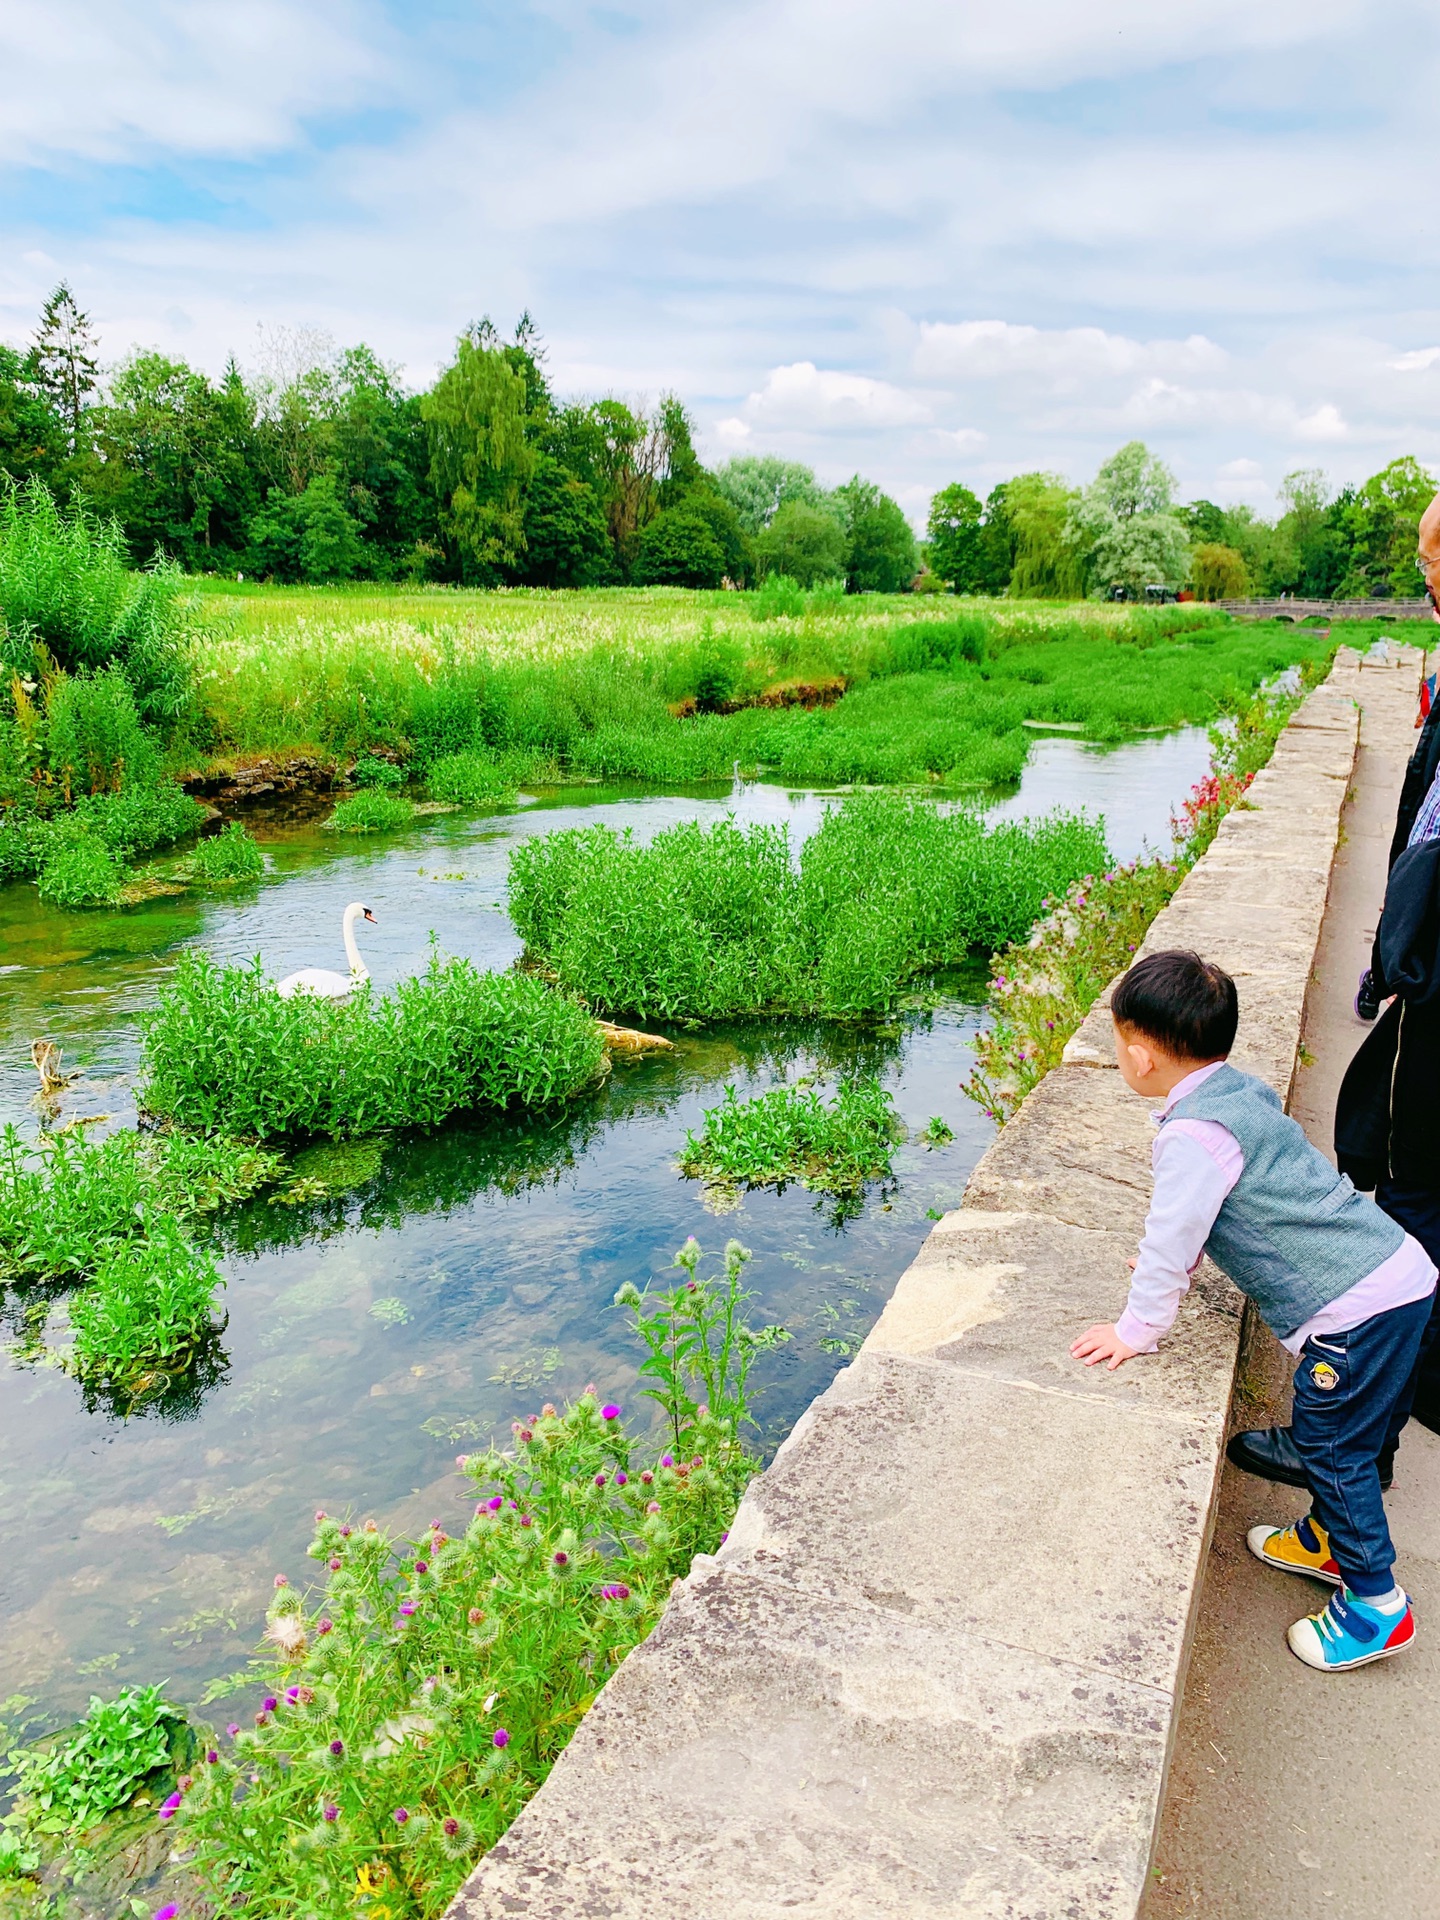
[{"x": 321, "y": 982}]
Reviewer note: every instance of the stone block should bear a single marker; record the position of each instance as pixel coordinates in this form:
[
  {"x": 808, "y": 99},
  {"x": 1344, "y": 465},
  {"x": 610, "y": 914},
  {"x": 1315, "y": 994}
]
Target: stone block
[
  {"x": 1057, "y": 1521},
  {"x": 769, "y": 1755}
]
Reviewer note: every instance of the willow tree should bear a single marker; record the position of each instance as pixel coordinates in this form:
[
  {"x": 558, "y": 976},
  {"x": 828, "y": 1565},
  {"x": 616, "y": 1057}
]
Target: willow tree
[{"x": 481, "y": 459}]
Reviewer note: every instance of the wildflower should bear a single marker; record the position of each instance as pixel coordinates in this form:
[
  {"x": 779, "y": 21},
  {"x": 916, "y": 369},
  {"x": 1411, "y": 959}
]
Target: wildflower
[
  {"x": 547, "y": 1412},
  {"x": 560, "y": 1558},
  {"x": 457, "y": 1838},
  {"x": 475, "y": 1616},
  {"x": 262, "y": 1719},
  {"x": 407, "y": 1607},
  {"x": 292, "y": 1694},
  {"x": 653, "y": 1507},
  {"x": 622, "y": 1479},
  {"x": 698, "y": 1461},
  {"x": 345, "y": 1532},
  {"x": 600, "y": 1480},
  {"x": 337, "y": 1747},
  {"x": 617, "y": 1591},
  {"x": 211, "y": 1756},
  {"x": 167, "y": 1912},
  {"x": 646, "y": 1477},
  {"x": 460, "y": 1459},
  {"x": 330, "y": 1812},
  {"x": 233, "y": 1728},
  {"x": 402, "y": 1814},
  {"x": 336, "y": 1563},
  {"x": 168, "y": 1808},
  {"x": 422, "y": 1566},
  {"x": 287, "y": 1631},
  {"x": 496, "y": 1504},
  {"x": 319, "y": 1515},
  {"x": 325, "y": 1626},
  {"x": 724, "y": 1536},
  {"x": 526, "y": 1521},
  {"x": 281, "y": 1581},
  {"x": 610, "y": 1413},
  {"x": 270, "y": 1703},
  {"x": 667, "y": 1459},
  {"x": 500, "y": 1737}
]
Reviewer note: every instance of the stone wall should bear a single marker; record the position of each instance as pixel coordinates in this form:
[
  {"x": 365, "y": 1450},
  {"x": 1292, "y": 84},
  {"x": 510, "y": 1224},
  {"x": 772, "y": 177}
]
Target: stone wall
[{"x": 935, "y": 1669}]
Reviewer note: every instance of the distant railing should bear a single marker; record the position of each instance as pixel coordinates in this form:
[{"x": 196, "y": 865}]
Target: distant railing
[{"x": 1290, "y": 609}]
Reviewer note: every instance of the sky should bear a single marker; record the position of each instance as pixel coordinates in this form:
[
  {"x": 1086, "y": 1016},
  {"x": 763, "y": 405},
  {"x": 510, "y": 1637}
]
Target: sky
[{"x": 926, "y": 240}]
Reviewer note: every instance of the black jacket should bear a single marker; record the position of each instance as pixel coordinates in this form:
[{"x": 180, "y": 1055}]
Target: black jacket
[{"x": 1387, "y": 1118}]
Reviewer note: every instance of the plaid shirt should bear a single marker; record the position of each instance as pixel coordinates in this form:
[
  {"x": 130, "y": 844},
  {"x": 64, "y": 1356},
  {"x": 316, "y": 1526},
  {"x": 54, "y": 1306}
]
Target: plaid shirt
[{"x": 1427, "y": 820}]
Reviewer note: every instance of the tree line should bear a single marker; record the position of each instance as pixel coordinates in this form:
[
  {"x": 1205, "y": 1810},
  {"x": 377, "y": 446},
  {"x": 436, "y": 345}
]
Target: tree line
[
  {"x": 1037, "y": 536},
  {"x": 321, "y": 466}
]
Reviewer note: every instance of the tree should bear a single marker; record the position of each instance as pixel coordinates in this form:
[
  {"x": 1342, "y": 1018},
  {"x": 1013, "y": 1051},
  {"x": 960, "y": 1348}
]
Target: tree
[
  {"x": 758, "y": 485},
  {"x": 567, "y": 543},
  {"x": 1134, "y": 482},
  {"x": 679, "y": 549},
  {"x": 1122, "y": 527},
  {"x": 66, "y": 360},
  {"x": 956, "y": 535},
  {"x": 480, "y": 460},
  {"x": 724, "y": 523},
  {"x": 806, "y": 543},
  {"x": 1203, "y": 520},
  {"x": 1147, "y": 550},
  {"x": 1380, "y": 523},
  {"x": 32, "y": 439},
  {"x": 307, "y": 536},
  {"x": 882, "y": 556},
  {"x": 1218, "y": 572},
  {"x": 1048, "y": 560}
]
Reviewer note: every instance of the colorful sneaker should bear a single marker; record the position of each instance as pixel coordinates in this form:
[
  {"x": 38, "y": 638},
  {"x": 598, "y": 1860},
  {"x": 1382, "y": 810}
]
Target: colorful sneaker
[
  {"x": 1302, "y": 1548},
  {"x": 1347, "y": 1633}
]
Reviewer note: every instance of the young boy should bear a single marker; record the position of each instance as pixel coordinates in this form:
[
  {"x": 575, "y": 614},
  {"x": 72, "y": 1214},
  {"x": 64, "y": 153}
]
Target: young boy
[{"x": 1335, "y": 1279}]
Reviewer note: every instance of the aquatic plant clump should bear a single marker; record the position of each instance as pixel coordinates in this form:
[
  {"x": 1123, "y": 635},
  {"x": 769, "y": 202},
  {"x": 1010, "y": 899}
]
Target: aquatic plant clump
[
  {"x": 133, "y": 821},
  {"x": 708, "y": 922},
  {"x": 473, "y": 780},
  {"x": 423, "y": 1692},
  {"x": 224, "y": 1053},
  {"x": 372, "y": 810},
  {"x": 227, "y": 857},
  {"x": 793, "y": 1133},
  {"x": 81, "y": 872},
  {"x": 66, "y": 1785}
]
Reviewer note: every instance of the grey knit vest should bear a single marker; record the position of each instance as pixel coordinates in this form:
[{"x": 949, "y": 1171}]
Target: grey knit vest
[{"x": 1293, "y": 1233}]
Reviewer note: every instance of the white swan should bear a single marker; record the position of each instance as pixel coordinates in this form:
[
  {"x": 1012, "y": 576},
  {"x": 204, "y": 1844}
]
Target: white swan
[{"x": 319, "y": 980}]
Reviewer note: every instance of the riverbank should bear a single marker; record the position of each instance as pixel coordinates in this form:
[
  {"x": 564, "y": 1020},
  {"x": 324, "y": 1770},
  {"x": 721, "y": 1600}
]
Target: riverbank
[{"x": 936, "y": 1666}]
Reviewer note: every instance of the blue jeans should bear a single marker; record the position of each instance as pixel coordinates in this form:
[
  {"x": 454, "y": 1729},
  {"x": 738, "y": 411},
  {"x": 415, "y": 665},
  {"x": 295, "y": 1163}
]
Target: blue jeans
[
  {"x": 1418, "y": 1211},
  {"x": 1347, "y": 1386}
]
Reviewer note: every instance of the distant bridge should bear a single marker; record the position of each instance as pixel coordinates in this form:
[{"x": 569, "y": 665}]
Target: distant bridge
[{"x": 1328, "y": 609}]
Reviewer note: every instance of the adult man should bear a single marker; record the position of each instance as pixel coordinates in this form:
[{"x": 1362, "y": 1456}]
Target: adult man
[{"x": 1387, "y": 1118}]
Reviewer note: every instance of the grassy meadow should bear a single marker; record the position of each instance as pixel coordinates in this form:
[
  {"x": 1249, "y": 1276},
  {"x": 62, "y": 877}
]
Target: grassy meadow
[{"x": 670, "y": 687}]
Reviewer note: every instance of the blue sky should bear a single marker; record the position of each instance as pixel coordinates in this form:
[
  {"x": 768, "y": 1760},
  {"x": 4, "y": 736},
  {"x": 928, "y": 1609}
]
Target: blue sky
[{"x": 929, "y": 240}]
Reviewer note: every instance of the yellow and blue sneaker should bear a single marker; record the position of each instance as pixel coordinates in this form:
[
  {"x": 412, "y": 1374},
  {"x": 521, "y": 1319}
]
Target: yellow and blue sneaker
[
  {"x": 1348, "y": 1633},
  {"x": 1302, "y": 1548}
]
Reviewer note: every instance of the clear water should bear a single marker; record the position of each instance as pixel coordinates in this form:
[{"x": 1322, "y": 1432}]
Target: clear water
[{"x": 464, "y": 1278}]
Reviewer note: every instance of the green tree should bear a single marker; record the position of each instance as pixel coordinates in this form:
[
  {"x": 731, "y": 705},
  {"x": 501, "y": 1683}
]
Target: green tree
[
  {"x": 66, "y": 361},
  {"x": 882, "y": 555},
  {"x": 1134, "y": 483},
  {"x": 1123, "y": 528},
  {"x": 308, "y": 536},
  {"x": 373, "y": 438},
  {"x": 806, "y": 543},
  {"x": 956, "y": 535},
  {"x": 480, "y": 458},
  {"x": 567, "y": 543},
  {"x": 1380, "y": 523},
  {"x": 679, "y": 549},
  {"x": 1048, "y": 562},
  {"x": 32, "y": 439},
  {"x": 1218, "y": 572},
  {"x": 758, "y": 485}
]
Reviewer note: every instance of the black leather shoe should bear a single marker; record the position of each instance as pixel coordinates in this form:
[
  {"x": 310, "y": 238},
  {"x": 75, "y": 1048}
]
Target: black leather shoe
[
  {"x": 1367, "y": 1000},
  {"x": 1270, "y": 1454}
]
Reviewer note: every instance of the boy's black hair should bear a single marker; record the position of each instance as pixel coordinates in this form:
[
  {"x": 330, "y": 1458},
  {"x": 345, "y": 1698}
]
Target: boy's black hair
[{"x": 1186, "y": 1005}]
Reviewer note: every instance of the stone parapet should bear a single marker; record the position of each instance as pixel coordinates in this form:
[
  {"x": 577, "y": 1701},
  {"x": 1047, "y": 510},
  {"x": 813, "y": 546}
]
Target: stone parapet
[{"x": 935, "y": 1669}]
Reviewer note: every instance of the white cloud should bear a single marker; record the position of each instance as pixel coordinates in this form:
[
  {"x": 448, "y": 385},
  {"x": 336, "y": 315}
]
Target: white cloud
[
  {"x": 806, "y": 398},
  {"x": 1324, "y": 423},
  {"x": 1063, "y": 358},
  {"x": 1419, "y": 361},
  {"x": 732, "y": 433}
]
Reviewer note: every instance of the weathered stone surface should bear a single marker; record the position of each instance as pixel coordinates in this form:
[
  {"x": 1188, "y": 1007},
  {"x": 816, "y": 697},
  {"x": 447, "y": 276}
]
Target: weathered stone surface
[
  {"x": 784, "y": 1754},
  {"x": 994, "y": 1506},
  {"x": 1006, "y": 1293},
  {"x": 934, "y": 1669}
]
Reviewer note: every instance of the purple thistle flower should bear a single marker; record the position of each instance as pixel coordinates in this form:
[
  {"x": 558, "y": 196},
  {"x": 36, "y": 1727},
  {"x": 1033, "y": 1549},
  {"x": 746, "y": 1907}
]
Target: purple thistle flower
[
  {"x": 330, "y": 1812},
  {"x": 269, "y": 1703},
  {"x": 422, "y": 1566},
  {"x": 401, "y": 1815},
  {"x": 561, "y": 1558},
  {"x": 337, "y": 1747},
  {"x": 211, "y": 1756},
  {"x": 500, "y": 1737},
  {"x": 407, "y": 1607},
  {"x": 611, "y": 1412},
  {"x": 618, "y": 1591},
  {"x": 622, "y": 1479},
  {"x": 325, "y": 1626},
  {"x": 667, "y": 1459},
  {"x": 345, "y": 1533},
  {"x": 292, "y": 1694},
  {"x": 319, "y": 1515},
  {"x": 336, "y": 1563},
  {"x": 526, "y": 1521},
  {"x": 233, "y": 1728},
  {"x": 281, "y": 1581},
  {"x": 167, "y": 1912},
  {"x": 497, "y": 1503},
  {"x": 600, "y": 1480},
  {"x": 450, "y": 1826}
]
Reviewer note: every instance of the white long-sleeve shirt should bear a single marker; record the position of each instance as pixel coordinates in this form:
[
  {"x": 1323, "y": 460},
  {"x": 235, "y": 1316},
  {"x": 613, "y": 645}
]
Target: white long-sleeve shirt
[{"x": 1196, "y": 1164}]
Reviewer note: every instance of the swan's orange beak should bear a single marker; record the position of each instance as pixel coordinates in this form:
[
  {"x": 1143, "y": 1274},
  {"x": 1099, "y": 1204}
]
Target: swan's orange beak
[{"x": 371, "y": 918}]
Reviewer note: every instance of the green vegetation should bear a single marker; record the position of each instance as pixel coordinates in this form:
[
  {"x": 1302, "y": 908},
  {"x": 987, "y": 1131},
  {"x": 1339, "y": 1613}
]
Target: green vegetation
[
  {"x": 474, "y": 780},
  {"x": 64, "y": 1786},
  {"x": 81, "y": 872},
  {"x": 420, "y": 1696},
  {"x": 116, "y": 1220},
  {"x": 1042, "y": 987},
  {"x": 227, "y": 857},
  {"x": 792, "y": 1133},
  {"x": 372, "y": 810},
  {"x": 708, "y": 922},
  {"x": 225, "y": 1054}
]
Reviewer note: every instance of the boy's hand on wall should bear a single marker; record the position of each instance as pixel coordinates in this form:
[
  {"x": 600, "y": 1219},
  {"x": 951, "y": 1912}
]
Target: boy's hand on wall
[{"x": 1102, "y": 1343}]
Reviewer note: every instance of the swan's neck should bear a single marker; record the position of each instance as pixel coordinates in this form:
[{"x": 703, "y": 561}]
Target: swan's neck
[{"x": 352, "y": 953}]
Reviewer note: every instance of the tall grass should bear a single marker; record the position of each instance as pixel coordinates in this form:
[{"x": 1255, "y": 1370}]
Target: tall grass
[
  {"x": 708, "y": 922},
  {"x": 223, "y": 1053},
  {"x": 630, "y": 685}
]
